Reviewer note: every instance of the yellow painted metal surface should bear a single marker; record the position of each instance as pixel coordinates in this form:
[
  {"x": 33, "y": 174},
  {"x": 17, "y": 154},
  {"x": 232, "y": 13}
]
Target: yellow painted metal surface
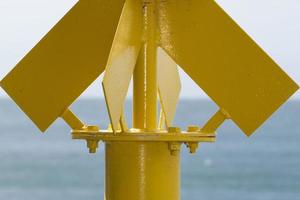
[
  {"x": 223, "y": 60},
  {"x": 169, "y": 85},
  {"x": 141, "y": 136},
  {"x": 141, "y": 171},
  {"x": 214, "y": 122},
  {"x": 143, "y": 163},
  {"x": 145, "y": 74},
  {"x": 65, "y": 62},
  {"x": 161, "y": 122},
  {"x": 72, "y": 120},
  {"x": 123, "y": 123},
  {"x": 122, "y": 60}
]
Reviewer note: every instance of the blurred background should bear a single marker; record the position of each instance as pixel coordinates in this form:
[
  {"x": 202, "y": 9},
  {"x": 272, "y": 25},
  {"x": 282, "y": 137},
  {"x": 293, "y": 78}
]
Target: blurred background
[{"x": 51, "y": 166}]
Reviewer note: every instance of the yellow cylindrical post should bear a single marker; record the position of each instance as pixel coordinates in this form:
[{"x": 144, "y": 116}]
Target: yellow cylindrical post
[
  {"x": 145, "y": 75},
  {"x": 143, "y": 170}
]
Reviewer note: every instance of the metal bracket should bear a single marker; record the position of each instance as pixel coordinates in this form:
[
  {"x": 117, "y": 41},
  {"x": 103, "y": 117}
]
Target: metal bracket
[
  {"x": 72, "y": 120},
  {"x": 215, "y": 121}
]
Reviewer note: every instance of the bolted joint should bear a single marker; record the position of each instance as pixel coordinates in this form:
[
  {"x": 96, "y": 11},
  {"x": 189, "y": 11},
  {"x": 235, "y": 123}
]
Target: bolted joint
[
  {"x": 193, "y": 146},
  {"x": 174, "y": 130},
  {"x": 92, "y": 128},
  {"x": 92, "y": 145},
  {"x": 174, "y": 148},
  {"x": 193, "y": 128}
]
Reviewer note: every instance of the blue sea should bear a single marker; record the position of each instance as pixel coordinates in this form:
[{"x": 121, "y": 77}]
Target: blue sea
[{"x": 51, "y": 166}]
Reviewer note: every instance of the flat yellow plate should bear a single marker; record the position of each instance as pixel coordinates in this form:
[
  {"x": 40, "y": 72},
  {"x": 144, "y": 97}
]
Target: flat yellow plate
[
  {"x": 65, "y": 62},
  {"x": 169, "y": 85},
  {"x": 124, "y": 53},
  {"x": 223, "y": 60}
]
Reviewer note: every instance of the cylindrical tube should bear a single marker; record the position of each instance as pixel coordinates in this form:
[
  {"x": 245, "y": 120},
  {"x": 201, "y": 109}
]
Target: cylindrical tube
[
  {"x": 145, "y": 74},
  {"x": 141, "y": 171}
]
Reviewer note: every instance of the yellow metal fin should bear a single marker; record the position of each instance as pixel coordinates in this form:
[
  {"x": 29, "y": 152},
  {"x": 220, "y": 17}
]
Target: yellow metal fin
[
  {"x": 65, "y": 62},
  {"x": 122, "y": 59},
  {"x": 224, "y": 61},
  {"x": 169, "y": 85}
]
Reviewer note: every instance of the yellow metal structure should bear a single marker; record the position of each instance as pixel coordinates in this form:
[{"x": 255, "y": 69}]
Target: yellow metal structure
[
  {"x": 65, "y": 62},
  {"x": 148, "y": 171},
  {"x": 224, "y": 61},
  {"x": 122, "y": 60},
  {"x": 146, "y": 39},
  {"x": 145, "y": 75},
  {"x": 72, "y": 120},
  {"x": 168, "y": 76}
]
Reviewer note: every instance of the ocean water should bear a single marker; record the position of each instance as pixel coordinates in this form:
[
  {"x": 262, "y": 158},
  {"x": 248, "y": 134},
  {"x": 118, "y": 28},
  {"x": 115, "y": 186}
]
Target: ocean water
[{"x": 51, "y": 166}]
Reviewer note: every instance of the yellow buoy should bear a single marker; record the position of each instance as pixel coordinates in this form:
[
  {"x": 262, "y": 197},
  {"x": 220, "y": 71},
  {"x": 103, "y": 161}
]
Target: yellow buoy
[{"x": 146, "y": 39}]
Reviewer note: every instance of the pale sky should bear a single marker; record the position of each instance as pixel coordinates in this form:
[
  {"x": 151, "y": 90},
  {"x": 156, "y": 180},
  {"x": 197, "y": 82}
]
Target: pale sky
[{"x": 273, "y": 24}]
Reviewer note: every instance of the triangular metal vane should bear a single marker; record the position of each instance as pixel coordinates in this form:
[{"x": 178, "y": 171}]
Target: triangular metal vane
[
  {"x": 169, "y": 85},
  {"x": 122, "y": 59}
]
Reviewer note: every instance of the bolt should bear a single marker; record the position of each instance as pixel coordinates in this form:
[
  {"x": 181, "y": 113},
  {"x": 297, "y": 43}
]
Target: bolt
[
  {"x": 93, "y": 128},
  {"x": 193, "y": 128},
  {"x": 92, "y": 145},
  {"x": 193, "y": 146},
  {"x": 174, "y": 148},
  {"x": 174, "y": 130}
]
